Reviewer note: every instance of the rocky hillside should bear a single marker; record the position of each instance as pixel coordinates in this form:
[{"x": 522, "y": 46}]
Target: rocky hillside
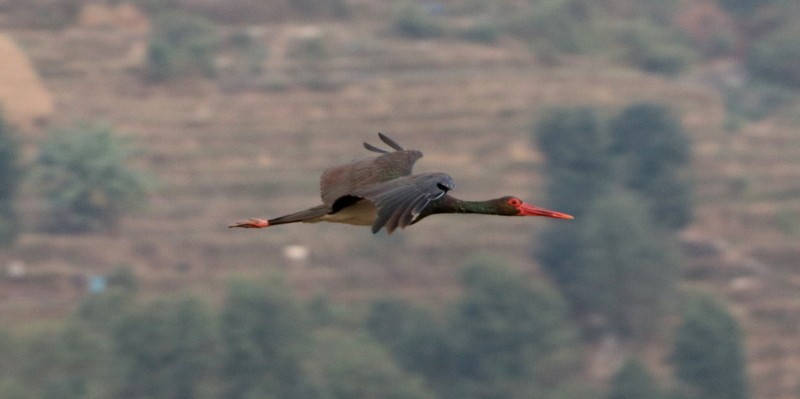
[{"x": 235, "y": 147}]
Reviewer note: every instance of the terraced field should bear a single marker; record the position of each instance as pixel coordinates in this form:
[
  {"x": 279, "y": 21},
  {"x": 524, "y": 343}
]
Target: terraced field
[{"x": 221, "y": 154}]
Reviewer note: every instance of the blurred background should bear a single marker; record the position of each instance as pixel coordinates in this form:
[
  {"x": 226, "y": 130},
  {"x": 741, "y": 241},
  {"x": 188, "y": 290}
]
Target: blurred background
[{"x": 133, "y": 132}]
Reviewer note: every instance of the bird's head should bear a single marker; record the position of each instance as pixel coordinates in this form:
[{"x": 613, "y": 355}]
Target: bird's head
[{"x": 513, "y": 206}]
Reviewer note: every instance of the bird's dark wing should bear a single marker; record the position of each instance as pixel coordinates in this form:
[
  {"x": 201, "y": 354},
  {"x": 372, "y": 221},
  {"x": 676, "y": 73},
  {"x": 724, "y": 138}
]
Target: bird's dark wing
[
  {"x": 339, "y": 181},
  {"x": 401, "y": 200}
]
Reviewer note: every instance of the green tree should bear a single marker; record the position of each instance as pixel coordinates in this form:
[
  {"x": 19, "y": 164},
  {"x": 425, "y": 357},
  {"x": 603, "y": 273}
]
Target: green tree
[
  {"x": 556, "y": 25},
  {"x": 624, "y": 182},
  {"x": 578, "y": 170},
  {"x": 12, "y": 354},
  {"x": 67, "y": 362},
  {"x": 10, "y": 175},
  {"x": 708, "y": 352},
  {"x": 353, "y": 366},
  {"x": 578, "y": 166},
  {"x": 653, "y": 152},
  {"x": 181, "y": 44},
  {"x": 629, "y": 267},
  {"x": 412, "y": 20},
  {"x": 418, "y": 342},
  {"x": 264, "y": 332},
  {"x": 81, "y": 365},
  {"x": 774, "y": 56},
  {"x": 743, "y": 8},
  {"x": 167, "y": 350},
  {"x": 83, "y": 174},
  {"x": 510, "y": 339},
  {"x": 633, "y": 381},
  {"x": 655, "y": 48}
]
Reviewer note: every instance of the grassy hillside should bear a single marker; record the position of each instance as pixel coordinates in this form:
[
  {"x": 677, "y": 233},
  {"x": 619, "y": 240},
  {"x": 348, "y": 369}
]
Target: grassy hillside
[{"x": 228, "y": 149}]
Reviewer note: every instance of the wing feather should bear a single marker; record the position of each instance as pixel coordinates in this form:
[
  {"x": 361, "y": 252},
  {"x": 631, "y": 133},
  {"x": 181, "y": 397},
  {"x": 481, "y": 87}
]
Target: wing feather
[
  {"x": 342, "y": 180},
  {"x": 401, "y": 200}
]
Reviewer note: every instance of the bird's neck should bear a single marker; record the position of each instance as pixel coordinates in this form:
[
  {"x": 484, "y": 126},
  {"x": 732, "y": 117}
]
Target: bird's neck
[{"x": 448, "y": 204}]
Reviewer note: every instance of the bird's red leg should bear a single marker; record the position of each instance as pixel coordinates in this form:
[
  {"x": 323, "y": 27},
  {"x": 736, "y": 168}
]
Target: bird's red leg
[{"x": 251, "y": 224}]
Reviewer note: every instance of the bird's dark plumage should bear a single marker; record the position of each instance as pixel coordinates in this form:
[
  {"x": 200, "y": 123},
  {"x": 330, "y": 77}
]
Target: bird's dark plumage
[
  {"x": 400, "y": 201},
  {"x": 381, "y": 191},
  {"x": 343, "y": 180}
]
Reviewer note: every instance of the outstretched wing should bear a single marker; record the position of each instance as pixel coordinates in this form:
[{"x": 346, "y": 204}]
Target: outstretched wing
[
  {"x": 401, "y": 200},
  {"x": 343, "y": 180}
]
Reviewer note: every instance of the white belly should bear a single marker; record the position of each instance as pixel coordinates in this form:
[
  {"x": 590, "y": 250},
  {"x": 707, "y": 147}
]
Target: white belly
[{"x": 362, "y": 213}]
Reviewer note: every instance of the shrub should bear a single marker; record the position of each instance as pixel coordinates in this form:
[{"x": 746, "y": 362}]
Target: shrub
[
  {"x": 413, "y": 20},
  {"x": 743, "y": 7},
  {"x": 633, "y": 381},
  {"x": 708, "y": 351},
  {"x": 355, "y": 366},
  {"x": 42, "y": 14},
  {"x": 10, "y": 176},
  {"x": 417, "y": 341},
  {"x": 776, "y": 57},
  {"x": 83, "y": 175},
  {"x": 167, "y": 350},
  {"x": 181, "y": 44},
  {"x": 756, "y": 100},
  {"x": 316, "y": 8},
  {"x": 557, "y": 24},
  {"x": 485, "y": 32},
  {"x": 655, "y": 49}
]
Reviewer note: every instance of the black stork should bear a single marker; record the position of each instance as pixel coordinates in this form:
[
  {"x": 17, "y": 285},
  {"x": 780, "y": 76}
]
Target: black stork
[{"x": 381, "y": 192}]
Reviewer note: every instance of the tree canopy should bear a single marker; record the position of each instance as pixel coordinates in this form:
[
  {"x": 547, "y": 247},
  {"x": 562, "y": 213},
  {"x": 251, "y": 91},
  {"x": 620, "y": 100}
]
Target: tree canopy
[
  {"x": 10, "y": 176},
  {"x": 708, "y": 351},
  {"x": 83, "y": 173}
]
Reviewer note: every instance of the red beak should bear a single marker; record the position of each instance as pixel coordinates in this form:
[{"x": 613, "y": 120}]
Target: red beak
[{"x": 531, "y": 210}]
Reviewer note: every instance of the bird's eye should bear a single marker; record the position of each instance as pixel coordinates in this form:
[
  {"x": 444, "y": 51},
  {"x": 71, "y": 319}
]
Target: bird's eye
[
  {"x": 515, "y": 202},
  {"x": 442, "y": 187}
]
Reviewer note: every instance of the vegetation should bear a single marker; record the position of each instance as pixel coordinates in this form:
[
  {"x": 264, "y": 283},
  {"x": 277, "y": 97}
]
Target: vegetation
[
  {"x": 412, "y": 20},
  {"x": 630, "y": 267},
  {"x": 625, "y": 185},
  {"x": 652, "y": 150},
  {"x": 655, "y": 49},
  {"x": 166, "y": 349},
  {"x": 263, "y": 334},
  {"x": 356, "y": 366},
  {"x": 578, "y": 166},
  {"x": 708, "y": 352},
  {"x": 82, "y": 173},
  {"x": 317, "y": 8},
  {"x": 563, "y": 25},
  {"x": 774, "y": 57},
  {"x": 181, "y": 45},
  {"x": 10, "y": 176},
  {"x": 743, "y": 7},
  {"x": 643, "y": 149},
  {"x": 633, "y": 381},
  {"x": 616, "y": 261},
  {"x": 504, "y": 338},
  {"x": 416, "y": 340},
  {"x": 510, "y": 337}
]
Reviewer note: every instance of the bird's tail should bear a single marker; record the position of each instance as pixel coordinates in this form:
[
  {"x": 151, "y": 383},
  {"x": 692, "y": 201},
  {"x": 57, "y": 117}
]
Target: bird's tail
[{"x": 308, "y": 215}]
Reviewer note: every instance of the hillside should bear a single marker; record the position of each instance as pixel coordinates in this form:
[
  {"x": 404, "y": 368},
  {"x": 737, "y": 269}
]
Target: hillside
[{"x": 222, "y": 151}]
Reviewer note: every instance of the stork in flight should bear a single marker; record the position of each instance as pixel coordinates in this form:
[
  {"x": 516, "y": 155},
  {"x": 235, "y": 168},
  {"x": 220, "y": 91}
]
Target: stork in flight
[{"x": 381, "y": 192}]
